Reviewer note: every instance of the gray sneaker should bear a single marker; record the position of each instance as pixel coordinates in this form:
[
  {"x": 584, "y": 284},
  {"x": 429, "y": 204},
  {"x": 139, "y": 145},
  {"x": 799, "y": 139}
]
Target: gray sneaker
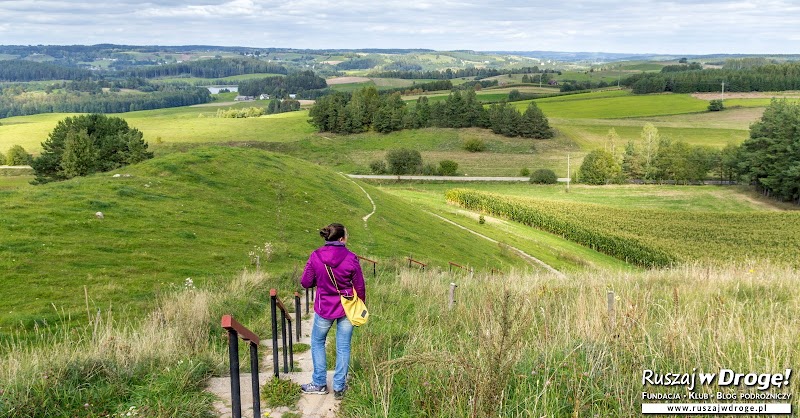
[
  {"x": 314, "y": 389},
  {"x": 339, "y": 394}
]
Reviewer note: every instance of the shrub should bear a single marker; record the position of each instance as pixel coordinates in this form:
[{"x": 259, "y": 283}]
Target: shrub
[
  {"x": 2, "y": 158},
  {"x": 474, "y": 145},
  {"x": 524, "y": 172},
  {"x": 448, "y": 168},
  {"x": 429, "y": 170},
  {"x": 378, "y": 167},
  {"x": 404, "y": 161},
  {"x": 544, "y": 176},
  {"x": 18, "y": 156},
  {"x": 715, "y": 105}
]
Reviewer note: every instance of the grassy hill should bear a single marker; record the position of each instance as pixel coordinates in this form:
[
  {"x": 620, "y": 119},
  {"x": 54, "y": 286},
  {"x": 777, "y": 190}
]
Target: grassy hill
[{"x": 196, "y": 214}]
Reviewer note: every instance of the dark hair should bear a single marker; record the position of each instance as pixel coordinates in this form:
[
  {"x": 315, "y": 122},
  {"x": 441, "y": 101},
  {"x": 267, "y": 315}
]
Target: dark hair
[{"x": 333, "y": 232}]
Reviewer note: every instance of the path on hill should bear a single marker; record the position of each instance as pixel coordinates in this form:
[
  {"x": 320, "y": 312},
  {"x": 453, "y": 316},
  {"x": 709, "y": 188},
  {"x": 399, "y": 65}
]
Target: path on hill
[
  {"x": 374, "y": 208},
  {"x": 443, "y": 178},
  {"x": 309, "y": 406},
  {"x": 529, "y": 258}
]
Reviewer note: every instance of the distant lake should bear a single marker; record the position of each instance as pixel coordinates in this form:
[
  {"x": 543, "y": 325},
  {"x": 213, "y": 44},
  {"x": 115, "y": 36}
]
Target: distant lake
[{"x": 216, "y": 89}]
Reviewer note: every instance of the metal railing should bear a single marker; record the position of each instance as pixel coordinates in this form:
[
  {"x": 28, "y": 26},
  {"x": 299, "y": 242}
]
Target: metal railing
[
  {"x": 286, "y": 319},
  {"x": 235, "y": 331}
]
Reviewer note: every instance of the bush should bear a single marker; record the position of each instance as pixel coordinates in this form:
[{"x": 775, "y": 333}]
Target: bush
[
  {"x": 715, "y": 105},
  {"x": 544, "y": 176},
  {"x": 474, "y": 145},
  {"x": 448, "y": 168},
  {"x": 524, "y": 172},
  {"x": 429, "y": 170},
  {"x": 18, "y": 156},
  {"x": 404, "y": 161},
  {"x": 2, "y": 158},
  {"x": 378, "y": 167}
]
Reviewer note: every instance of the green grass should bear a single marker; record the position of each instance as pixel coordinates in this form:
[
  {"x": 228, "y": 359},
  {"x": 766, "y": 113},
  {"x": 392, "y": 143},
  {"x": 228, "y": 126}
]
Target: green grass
[
  {"x": 197, "y": 215},
  {"x": 15, "y": 182},
  {"x": 351, "y": 87},
  {"x": 280, "y": 392}
]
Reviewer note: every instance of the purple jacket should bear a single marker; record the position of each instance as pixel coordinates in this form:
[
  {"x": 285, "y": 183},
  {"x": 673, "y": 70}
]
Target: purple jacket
[{"x": 347, "y": 272}]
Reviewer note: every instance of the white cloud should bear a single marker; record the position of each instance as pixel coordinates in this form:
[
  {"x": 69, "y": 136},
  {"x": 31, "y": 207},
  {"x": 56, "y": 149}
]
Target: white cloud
[{"x": 678, "y": 26}]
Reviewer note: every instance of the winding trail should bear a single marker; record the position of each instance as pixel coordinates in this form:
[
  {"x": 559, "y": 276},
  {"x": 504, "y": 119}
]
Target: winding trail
[
  {"x": 374, "y": 208},
  {"x": 527, "y": 257}
]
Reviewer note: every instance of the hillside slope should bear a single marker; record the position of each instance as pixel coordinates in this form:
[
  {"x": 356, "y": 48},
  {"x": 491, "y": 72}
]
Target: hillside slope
[{"x": 195, "y": 215}]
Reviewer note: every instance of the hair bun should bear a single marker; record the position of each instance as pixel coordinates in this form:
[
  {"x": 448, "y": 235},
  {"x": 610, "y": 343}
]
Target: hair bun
[{"x": 325, "y": 232}]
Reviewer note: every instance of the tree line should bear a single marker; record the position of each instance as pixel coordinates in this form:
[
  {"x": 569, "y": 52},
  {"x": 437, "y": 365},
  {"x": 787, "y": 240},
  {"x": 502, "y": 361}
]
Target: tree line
[
  {"x": 449, "y": 74},
  {"x": 82, "y": 102},
  {"x": 770, "y": 77},
  {"x": 294, "y": 83},
  {"x": 23, "y": 71},
  {"x": 366, "y": 110},
  {"x": 767, "y": 159},
  {"x": 210, "y": 68}
]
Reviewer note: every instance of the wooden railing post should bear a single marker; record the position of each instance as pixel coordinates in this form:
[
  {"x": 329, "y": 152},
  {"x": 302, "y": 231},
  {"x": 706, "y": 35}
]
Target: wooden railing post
[{"x": 452, "y": 300}]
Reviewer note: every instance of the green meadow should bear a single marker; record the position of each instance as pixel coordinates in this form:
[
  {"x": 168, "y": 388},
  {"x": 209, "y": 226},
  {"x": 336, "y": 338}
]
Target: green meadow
[
  {"x": 196, "y": 214},
  {"x": 99, "y": 312}
]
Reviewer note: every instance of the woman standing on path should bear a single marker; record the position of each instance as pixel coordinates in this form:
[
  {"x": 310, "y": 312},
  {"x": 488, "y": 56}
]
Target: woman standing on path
[{"x": 328, "y": 306}]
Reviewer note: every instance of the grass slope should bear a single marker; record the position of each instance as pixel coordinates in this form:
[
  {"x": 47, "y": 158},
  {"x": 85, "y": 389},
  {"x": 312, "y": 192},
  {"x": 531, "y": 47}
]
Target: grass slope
[{"x": 196, "y": 214}]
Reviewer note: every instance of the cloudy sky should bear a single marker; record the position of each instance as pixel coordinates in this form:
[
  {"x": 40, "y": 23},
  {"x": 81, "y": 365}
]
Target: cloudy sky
[{"x": 675, "y": 27}]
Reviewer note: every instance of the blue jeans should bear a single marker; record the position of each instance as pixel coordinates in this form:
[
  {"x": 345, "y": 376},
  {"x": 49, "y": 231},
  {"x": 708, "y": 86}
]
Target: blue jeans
[{"x": 344, "y": 332}]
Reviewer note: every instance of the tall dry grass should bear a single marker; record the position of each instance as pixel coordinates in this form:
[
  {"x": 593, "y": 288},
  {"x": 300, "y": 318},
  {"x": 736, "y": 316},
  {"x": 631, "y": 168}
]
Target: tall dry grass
[
  {"x": 540, "y": 345},
  {"x": 157, "y": 365}
]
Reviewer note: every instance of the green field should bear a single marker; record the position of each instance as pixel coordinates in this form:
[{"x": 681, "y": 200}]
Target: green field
[
  {"x": 602, "y": 106},
  {"x": 664, "y": 197},
  {"x": 197, "y": 215}
]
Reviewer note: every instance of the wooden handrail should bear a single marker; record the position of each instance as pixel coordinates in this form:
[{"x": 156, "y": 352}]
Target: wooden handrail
[
  {"x": 374, "y": 264},
  {"x": 230, "y": 324},
  {"x": 411, "y": 260}
]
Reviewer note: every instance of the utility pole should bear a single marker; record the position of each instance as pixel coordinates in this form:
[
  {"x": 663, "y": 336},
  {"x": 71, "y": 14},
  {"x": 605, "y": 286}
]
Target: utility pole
[
  {"x": 569, "y": 177},
  {"x": 619, "y": 75},
  {"x": 723, "y": 91}
]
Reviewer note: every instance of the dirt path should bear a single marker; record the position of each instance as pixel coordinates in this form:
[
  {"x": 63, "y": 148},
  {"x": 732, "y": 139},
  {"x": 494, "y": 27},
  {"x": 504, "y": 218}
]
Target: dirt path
[
  {"x": 309, "y": 406},
  {"x": 748, "y": 95},
  {"x": 374, "y": 208},
  {"x": 529, "y": 258}
]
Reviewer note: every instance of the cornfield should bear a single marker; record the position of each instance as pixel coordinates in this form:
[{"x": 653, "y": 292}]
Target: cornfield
[{"x": 651, "y": 238}]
